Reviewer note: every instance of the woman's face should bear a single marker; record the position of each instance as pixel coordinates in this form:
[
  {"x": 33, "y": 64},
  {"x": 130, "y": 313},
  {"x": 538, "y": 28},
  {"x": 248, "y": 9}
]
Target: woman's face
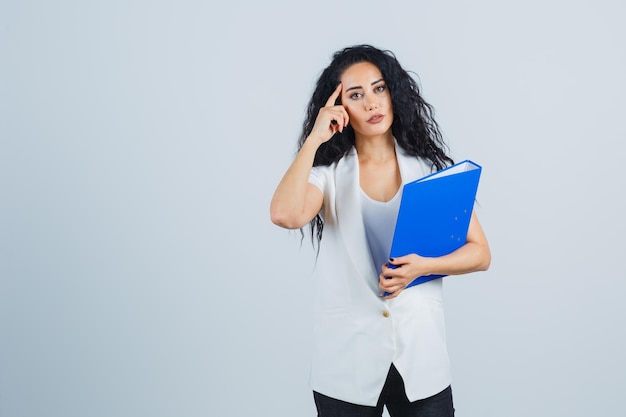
[{"x": 367, "y": 100}]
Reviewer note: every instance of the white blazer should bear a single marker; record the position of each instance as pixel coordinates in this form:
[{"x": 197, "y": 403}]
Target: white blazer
[{"x": 358, "y": 334}]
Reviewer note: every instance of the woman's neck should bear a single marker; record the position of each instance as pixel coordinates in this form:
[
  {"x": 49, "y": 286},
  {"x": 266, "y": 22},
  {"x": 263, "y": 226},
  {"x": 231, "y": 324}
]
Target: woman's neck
[{"x": 375, "y": 149}]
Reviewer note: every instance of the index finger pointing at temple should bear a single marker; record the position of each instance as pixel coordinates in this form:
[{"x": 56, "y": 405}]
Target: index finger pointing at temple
[{"x": 333, "y": 97}]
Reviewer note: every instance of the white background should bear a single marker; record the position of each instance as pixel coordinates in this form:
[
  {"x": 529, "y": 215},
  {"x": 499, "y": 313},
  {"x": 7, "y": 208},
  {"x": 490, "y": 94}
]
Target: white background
[{"x": 140, "y": 144}]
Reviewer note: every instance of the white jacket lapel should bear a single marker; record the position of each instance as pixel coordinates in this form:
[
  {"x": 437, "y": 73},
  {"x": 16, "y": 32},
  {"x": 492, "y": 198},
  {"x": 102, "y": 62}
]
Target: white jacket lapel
[
  {"x": 350, "y": 217},
  {"x": 411, "y": 167}
]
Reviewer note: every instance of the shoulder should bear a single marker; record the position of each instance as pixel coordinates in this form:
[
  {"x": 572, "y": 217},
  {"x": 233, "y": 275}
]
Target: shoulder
[{"x": 322, "y": 176}]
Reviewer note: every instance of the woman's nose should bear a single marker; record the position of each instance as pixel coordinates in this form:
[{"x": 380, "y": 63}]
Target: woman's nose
[{"x": 370, "y": 104}]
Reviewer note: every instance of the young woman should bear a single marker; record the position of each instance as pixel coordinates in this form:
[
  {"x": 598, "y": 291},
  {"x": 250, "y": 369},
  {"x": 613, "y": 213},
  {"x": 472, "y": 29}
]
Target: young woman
[{"x": 368, "y": 131}]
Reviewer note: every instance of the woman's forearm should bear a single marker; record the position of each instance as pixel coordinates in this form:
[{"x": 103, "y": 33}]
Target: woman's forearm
[
  {"x": 292, "y": 207},
  {"x": 471, "y": 257}
]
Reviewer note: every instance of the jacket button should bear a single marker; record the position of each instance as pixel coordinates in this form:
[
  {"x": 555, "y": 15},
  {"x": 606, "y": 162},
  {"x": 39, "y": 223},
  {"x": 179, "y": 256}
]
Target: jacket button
[{"x": 385, "y": 313}]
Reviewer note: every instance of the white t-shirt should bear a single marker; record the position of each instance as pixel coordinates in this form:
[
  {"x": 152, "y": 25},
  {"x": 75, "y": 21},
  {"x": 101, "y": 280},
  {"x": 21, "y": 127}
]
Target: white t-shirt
[{"x": 379, "y": 219}]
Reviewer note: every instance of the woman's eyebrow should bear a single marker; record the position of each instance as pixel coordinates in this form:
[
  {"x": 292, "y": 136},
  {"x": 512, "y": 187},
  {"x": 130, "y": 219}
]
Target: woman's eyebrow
[{"x": 358, "y": 86}]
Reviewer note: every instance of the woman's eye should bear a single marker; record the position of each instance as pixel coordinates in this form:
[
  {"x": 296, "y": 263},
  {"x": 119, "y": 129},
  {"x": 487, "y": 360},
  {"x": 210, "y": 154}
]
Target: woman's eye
[
  {"x": 355, "y": 96},
  {"x": 380, "y": 88}
]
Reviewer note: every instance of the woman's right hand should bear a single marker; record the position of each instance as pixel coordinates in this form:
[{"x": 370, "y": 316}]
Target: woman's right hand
[
  {"x": 296, "y": 201},
  {"x": 330, "y": 119}
]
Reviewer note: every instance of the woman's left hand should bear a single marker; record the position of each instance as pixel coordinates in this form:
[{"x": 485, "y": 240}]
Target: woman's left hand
[
  {"x": 394, "y": 280},
  {"x": 473, "y": 256}
]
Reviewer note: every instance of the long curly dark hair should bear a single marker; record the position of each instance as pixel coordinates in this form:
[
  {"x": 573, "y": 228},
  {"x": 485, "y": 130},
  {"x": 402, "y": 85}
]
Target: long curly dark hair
[{"x": 413, "y": 127}]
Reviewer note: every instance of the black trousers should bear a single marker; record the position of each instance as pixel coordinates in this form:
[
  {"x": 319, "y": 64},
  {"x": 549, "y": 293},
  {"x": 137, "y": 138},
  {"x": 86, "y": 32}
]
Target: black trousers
[{"x": 393, "y": 397}]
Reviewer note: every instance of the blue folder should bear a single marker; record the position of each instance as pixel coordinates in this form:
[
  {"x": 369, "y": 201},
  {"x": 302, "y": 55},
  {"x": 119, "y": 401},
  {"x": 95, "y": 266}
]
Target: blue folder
[{"x": 435, "y": 213}]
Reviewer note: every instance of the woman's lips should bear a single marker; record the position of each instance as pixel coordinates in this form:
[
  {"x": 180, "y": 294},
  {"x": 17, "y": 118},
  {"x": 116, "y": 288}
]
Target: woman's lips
[{"x": 377, "y": 118}]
